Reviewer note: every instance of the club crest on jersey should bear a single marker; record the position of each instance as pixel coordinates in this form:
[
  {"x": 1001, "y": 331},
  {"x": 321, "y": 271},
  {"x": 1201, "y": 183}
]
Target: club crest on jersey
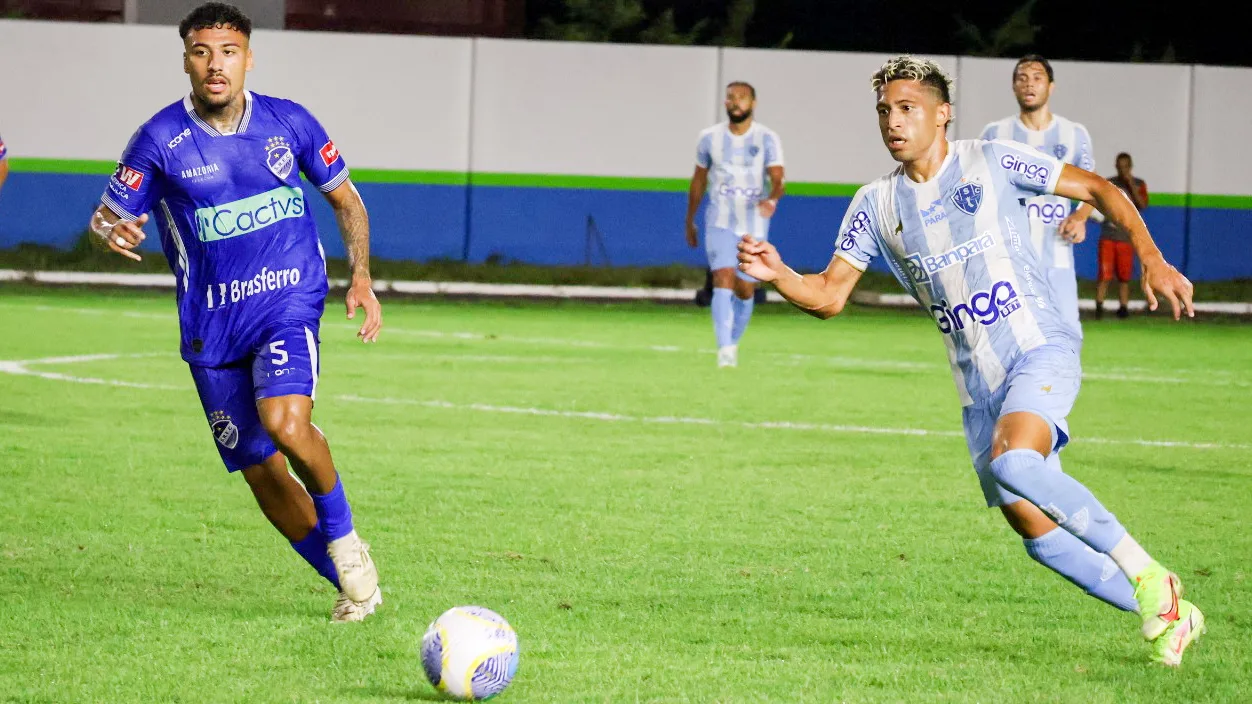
[
  {"x": 278, "y": 157},
  {"x": 1060, "y": 151},
  {"x": 753, "y": 150},
  {"x": 968, "y": 197},
  {"x": 224, "y": 430}
]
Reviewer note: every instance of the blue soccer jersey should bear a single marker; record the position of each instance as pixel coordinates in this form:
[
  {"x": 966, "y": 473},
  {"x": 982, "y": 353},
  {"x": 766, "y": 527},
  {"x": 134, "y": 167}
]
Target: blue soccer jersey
[
  {"x": 234, "y": 219},
  {"x": 958, "y": 244}
]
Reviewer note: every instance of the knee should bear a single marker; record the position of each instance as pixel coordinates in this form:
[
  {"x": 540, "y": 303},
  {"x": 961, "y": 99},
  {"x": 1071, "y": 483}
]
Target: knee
[
  {"x": 286, "y": 429},
  {"x": 724, "y": 278}
]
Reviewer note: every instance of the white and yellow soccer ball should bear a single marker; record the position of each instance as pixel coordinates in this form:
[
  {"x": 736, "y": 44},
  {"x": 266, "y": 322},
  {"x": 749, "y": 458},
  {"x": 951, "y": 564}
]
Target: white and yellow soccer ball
[{"x": 470, "y": 653}]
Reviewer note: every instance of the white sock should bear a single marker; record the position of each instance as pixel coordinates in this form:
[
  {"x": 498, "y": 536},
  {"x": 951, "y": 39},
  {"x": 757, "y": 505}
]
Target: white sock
[{"x": 1129, "y": 556}]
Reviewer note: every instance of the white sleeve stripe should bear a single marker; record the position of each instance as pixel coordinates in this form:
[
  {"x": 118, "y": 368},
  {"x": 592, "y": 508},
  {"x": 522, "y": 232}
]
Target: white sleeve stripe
[
  {"x": 121, "y": 212},
  {"x": 335, "y": 182},
  {"x": 859, "y": 266}
]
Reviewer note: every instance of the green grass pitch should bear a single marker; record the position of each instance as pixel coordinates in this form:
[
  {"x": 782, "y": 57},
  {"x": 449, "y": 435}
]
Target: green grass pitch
[{"x": 656, "y": 529}]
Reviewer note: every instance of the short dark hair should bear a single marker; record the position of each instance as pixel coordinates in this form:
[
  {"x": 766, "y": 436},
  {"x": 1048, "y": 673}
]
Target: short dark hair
[
  {"x": 1126, "y": 157},
  {"x": 745, "y": 84},
  {"x": 215, "y": 14},
  {"x": 1035, "y": 59}
]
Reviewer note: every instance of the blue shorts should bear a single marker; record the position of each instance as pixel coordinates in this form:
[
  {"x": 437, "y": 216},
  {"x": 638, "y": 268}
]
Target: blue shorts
[
  {"x": 286, "y": 363},
  {"x": 722, "y": 248},
  {"x": 1044, "y": 381}
]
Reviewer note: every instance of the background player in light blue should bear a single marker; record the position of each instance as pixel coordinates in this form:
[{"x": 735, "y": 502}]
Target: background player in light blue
[
  {"x": 733, "y": 161},
  {"x": 1054, "y": 230},
  {"x": 221, "y": 169},
  {"x": 949, "y": 222}
]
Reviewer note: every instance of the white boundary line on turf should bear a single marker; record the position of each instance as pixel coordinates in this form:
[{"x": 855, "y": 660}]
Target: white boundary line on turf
[
  {"x": 1207, "y": 377},
  {"x": 467, "y": 288},
  {"x": 22, "y": 368}
]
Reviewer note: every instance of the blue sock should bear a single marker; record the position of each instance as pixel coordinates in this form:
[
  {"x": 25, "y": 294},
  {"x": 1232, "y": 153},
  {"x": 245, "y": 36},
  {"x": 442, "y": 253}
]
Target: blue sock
[
  {"x": 313, "y": 549},
  {"x": 1063, "y": 498},
  {"x": 333, "y": 513},
  {"x": 1094, "y": 572},
  {"x": 723, "y": 315},
  {"x": 743, "y": 313}
]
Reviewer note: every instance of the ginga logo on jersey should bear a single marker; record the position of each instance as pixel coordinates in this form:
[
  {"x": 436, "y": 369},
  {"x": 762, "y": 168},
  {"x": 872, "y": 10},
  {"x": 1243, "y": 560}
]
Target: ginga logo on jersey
[
  {"x": 984, "y": 307},
  {"x": 241, "y": 217},
  {"x": 1047, "y": 213},
  {"x": 921, "y": 268},
  {"x": 1034, "y": 172},
  {"x": 729, "y": 191}
]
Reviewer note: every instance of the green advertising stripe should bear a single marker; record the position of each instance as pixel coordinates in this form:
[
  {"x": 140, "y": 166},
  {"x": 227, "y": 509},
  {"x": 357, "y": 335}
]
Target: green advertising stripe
[
  {"x": 61, "y": 166},
  {"x": 576, "y": 182},
  {"x": 595, "y": 183}
]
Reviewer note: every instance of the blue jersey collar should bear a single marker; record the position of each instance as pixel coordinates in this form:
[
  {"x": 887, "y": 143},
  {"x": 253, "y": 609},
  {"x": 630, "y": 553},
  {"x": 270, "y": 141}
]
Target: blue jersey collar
[{"x": 211, "y": 130}]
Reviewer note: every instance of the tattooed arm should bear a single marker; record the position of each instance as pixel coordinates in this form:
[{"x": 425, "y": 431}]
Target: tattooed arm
[{"x": 354, "y": 227}]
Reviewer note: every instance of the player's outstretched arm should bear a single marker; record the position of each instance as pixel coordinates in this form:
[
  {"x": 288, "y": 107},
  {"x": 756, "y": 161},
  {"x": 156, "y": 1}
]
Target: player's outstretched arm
[
  {"x": 354, "y": 227},
  {"x": 695, "y": 193},
  {"x": 820, "y": 295},
  {"x": 1158, "y": 274},
  {"x": 110, "y": 232}
]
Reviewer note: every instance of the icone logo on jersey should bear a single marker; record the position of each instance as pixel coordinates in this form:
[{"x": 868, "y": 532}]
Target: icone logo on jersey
[
  {"x": 729, "y": 191},
  {"x": 128, "y": 177},
  {"x": 178, "y": 139},
  {"x": 247, "y": 215},
  {"x": 329, "y": 152},
  {"x": 1032, "y": 171},
  {"x": 984, "y": 307},
  {"x": 1047, "y": 213},
  {"x": 921, "y": 268}
]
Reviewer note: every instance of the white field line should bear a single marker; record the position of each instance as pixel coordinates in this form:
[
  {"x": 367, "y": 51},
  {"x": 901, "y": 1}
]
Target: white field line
[
  {"x": 1136, "y": 375},
  {"x": 23, "y": 368}
]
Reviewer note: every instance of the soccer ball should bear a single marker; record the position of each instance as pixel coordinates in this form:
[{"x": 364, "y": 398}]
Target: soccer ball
[{"x": 470, "y": 653}]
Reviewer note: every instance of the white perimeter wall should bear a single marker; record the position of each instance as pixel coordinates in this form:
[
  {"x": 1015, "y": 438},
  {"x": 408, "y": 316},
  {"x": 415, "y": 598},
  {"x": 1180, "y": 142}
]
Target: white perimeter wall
[{"x": 77, "y": 91}]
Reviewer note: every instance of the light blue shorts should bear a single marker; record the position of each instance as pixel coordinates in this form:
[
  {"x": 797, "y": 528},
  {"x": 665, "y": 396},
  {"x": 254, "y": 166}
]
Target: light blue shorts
[
  {"x": 1044, "y": 381},
  {"x": 722, "y": 248}
]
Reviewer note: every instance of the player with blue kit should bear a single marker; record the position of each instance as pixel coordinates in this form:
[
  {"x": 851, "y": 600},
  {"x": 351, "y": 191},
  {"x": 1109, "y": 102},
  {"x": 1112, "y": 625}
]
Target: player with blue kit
[
  {"x": 951, "y": 223},
  {"x": 1054, "y": 230},
  {"x": 220, "y": 170},
  {"x": 740, "y": 164}
]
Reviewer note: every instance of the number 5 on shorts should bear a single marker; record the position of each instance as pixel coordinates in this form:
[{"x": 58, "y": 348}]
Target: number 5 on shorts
[{"x": 280, "y": 354}]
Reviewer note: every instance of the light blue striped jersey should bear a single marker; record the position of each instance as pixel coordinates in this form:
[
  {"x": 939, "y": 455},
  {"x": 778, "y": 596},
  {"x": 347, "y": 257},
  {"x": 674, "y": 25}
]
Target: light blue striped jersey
[
  {"x": 957, "y": 243},
  {"x": 1070, "y": 143},
  {"x": 737, "y": 176}
]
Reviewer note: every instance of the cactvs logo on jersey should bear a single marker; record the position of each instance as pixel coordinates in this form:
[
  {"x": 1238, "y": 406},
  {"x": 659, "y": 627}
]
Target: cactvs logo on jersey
[
  {"x": 278, "y": 157},
  {"x": 224, "y": 430},
  {"x": 968, "y": 197}
]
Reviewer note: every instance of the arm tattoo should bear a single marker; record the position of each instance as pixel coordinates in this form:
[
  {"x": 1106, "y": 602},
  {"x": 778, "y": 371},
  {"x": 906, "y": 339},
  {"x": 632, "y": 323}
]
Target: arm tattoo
[{"x": 354, "y": 227}]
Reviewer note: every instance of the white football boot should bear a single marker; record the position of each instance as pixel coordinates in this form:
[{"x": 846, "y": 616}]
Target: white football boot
[{"x": 358, "y": 577}]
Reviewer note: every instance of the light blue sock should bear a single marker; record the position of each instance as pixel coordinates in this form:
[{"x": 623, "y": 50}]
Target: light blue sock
[
  {"x": 1063, "y": 498},
  {"x": 723, "y": 315},
  {"x": 1094, "y": 572},
  {"x": 743, "y": 313}
]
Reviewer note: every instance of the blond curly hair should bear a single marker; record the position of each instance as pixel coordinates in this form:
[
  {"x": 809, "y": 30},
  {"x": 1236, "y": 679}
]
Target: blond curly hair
[{"x": 909, "y": 68}]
